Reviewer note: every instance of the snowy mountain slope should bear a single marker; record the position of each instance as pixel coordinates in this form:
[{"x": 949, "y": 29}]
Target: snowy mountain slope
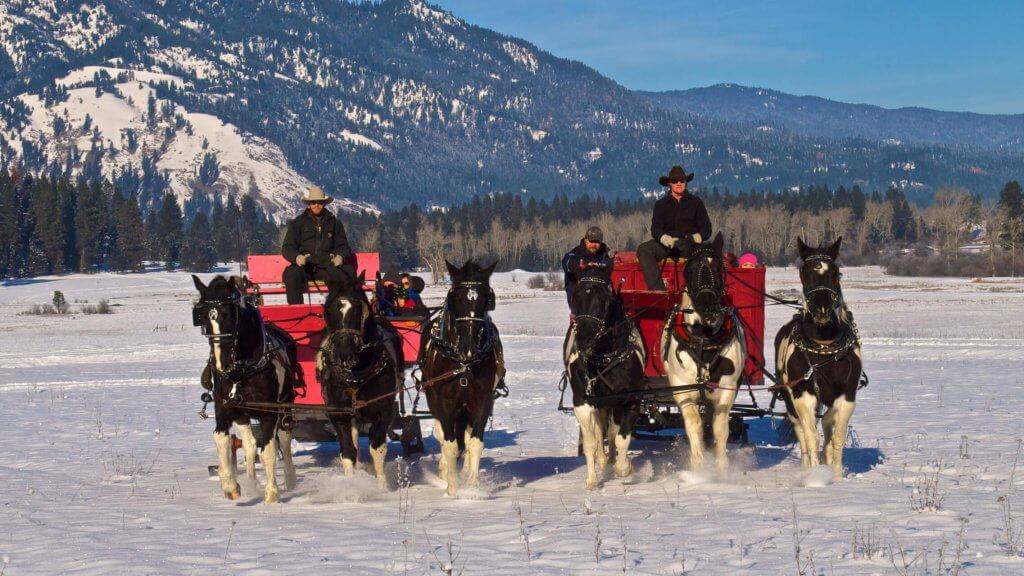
[{"x": 113, "y": 124}]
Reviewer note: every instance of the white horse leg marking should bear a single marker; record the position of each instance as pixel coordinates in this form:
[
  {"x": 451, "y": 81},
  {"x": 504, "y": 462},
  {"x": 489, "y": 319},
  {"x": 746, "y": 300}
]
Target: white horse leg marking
[
  {"x": 720, "y": 425},
  {"x": 449, "y": 459},
  {"x": 827, "y": 426},
  {"x": 843, "y": 412},
  {"x": 269, "y": 468},
  {"x": 601, "y": 417},
  {"x": 623, "y": 466},
  {"x": 474, "y": 451},
  {"x": 284, "y": 441},
  {"x": 805, "y": 407},
  {"x": 349, "y": 466},
  {"x": 687, "y": 402},
  {"x": 586, "y": 415},
  {"x": 442, "y": 467},
  {"x": 378, "y": 455},
  {"x": 226, "y": 470},
  {"x": 249, "y": 445}
]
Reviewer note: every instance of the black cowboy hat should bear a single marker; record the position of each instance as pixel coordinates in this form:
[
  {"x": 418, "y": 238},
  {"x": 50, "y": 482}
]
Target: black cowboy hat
[{"x": 676, "y": 173}]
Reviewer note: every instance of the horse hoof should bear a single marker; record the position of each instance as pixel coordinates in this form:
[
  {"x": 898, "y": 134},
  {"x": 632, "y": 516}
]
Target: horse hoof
[
  {"x": 270, "y": 498},
  {"x": 233, "y": 494},
  {"x": 624, "y": 472},
  {"x": 590, "y": 484},
  {"x": 451, "y": 491}
]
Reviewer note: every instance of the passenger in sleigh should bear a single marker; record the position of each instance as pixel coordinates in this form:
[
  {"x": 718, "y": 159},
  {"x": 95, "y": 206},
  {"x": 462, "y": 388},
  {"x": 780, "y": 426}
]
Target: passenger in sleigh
[
  {"x": 400, "y": 298},
  {"x": 679, "y": 220},
  {"x": 591, "y": 253}
]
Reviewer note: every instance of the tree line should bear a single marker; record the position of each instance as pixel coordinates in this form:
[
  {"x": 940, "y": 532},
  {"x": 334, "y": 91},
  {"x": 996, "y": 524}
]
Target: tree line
[{"x": 59, "y": 224}]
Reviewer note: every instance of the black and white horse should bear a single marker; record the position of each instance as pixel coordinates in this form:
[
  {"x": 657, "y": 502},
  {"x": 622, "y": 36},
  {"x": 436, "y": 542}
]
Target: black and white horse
[
  {"x": 706, "y": 351},
  {"x": 817, "y": 357},
  {"x": 360, "y": 368},
  {"x": 604, "y": 355},
  {"x": 462, "y": 366},
  {"x": 249, "y": 362}
]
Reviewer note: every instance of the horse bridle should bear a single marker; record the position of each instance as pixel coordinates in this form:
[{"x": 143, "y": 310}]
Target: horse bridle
[
  {"x": 486, "y": 341},
  {"x": 706, "y": 281},
  {"x": 834, "y": 294},
  {"x": 206, "y": 311},
  {"x": 329, "y": 344},
  {"x": 603, "y": 322}
]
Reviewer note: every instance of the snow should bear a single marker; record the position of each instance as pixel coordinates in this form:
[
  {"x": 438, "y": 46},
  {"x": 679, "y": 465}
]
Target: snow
[
  {"x": 105, "y": 467},
  {"x": 360, "y": 140},
  {"x": 247, "y": 162}
]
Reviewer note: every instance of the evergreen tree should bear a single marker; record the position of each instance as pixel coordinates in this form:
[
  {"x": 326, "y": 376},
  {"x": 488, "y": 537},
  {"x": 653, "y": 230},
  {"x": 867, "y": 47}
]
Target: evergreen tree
[
  {"x": 88, "y": 223},
  {"x": 131, "y": 247},
  {"x": 1011, "y": 200},
  {"x": 197, "y": 254},
  {"x": 47, "y": 239},
  {"x": 209, "y": 170},
  {"x": 169, "y": 224}
]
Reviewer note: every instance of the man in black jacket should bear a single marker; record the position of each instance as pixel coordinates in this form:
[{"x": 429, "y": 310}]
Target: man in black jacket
[
  {"x": 679, "y": 220},
  {"x": 316, "y": 245},
  {"x": 590, "y": 254}
]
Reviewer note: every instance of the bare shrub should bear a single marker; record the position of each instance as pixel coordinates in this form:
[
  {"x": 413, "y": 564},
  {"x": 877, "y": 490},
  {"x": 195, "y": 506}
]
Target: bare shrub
[
  {"x": 535, "y": 282},
  {"x": 39, "y": 310},
  {"x": 101, "y": 307},
  {"x": 1011, "y": 537},
  {"x": 927, "y": 496},
  {"x": 865, "y": 544},
  {"x": 554, "y": 282},
  {"x": 927, "y": 562}
]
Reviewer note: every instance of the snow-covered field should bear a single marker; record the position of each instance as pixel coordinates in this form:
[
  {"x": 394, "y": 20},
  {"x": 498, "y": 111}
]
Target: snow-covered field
[{"x": 103, "y": 459}]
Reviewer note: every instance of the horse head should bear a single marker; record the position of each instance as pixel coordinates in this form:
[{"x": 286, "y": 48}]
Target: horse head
[
  {"x": 591, "y": 306},
  {"x": 348, "y": 317},
  {"x": 705, "y": 282},
  {"x": 467, "y": 305},
  {"x": 228, "y": 319},
  {"x": 819, "y": 275}
]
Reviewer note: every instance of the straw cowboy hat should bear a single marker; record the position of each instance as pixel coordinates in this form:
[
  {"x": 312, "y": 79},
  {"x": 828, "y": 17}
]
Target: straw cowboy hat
[
  {"x": 676, "y": 174},
  {"x": 316, "y": 194}
]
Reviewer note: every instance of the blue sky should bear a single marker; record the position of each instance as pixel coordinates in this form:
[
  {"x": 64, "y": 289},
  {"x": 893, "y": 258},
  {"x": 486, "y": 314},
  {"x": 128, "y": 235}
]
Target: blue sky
[{"x": 964, "y": 56}]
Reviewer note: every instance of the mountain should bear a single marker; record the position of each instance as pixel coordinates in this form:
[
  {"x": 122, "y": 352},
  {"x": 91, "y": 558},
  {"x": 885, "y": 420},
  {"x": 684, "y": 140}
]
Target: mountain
[
  {"x": 823, "y": 118},
  {"x": 383, "y": 103}
]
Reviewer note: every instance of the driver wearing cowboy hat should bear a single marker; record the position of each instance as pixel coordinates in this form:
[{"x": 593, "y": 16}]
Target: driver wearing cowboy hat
[
  {"x": 316, "y": 246},
  {"x": 679, "y": 220}
]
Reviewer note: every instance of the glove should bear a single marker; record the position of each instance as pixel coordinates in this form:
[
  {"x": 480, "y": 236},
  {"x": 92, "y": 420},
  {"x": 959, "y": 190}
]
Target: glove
[
  {"x": 697, "y": 239},
  {"x": 301, "y": 259},
  {"x": 683, "y": 244},
  {"x": 668, "y": 241},
  {"x": 337, "y": 260}
]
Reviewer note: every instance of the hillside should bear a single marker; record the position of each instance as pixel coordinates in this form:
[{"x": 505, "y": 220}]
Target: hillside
[
  {"x": 390, "y": 103},
  {"x": 823, "y": 118}
]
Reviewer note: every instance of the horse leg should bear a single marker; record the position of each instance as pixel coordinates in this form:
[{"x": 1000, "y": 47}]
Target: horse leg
[
  {"x": 603, "y": 416},
  {"x": 694, "y": 428},
  {"x": 379, "y": 450},
  {"x": 620, "y": 434},
  {"x": 249, "y": 445},
  {"x": 610, "y": 433},
  {"x": 284, "y": 442},
  {"x": 828, "y": 421},
  {"x": 843, "y": 409},
  {"x": 807, "y": 427},
  {"x": 450, "y": 456},
  {"x": 587, "y": 416},
  {"x": 442, "y": 467},
  {"x": 269, "y": 456},
  {"x": 349, "y": 450},
  {"x": 720, "y": 429},
  {"x": 226, "y": 469},
  {"x": 475, "y": 445}
]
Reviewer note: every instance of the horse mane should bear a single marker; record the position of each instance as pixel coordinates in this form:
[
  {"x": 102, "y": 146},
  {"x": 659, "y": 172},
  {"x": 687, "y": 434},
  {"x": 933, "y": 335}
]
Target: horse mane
[{"x": 473, "y": 271}]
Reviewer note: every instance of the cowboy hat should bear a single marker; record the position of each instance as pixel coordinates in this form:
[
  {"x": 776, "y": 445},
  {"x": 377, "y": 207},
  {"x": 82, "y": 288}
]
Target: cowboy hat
[
  {"x": 316, "y": 194},
  {"x": 676, "y": 173}
]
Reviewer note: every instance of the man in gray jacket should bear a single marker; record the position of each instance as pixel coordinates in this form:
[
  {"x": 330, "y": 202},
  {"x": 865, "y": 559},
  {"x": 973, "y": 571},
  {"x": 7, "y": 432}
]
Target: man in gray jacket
[{"x": 316, "y": 246}]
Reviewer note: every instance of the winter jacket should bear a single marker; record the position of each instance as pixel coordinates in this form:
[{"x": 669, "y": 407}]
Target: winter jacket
[
  {"x": 320, "y": 237},
  {"x": 578, "y": 259},
  {"x": 680, "y": 218}
]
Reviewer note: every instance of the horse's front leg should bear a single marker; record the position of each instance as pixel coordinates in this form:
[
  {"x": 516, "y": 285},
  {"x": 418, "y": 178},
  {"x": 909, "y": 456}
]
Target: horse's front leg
[
  {"x": 284, "y": 442},
  {"x": 475, "y": 443},
  {"x": 268, "y": 442},
  {"x": 249, "y": 445},
  {"x": 587, "y": 417},
  {"x": 347, "y": 442},
  {"x": 807, "y": 426},
  {"x": 622, "y": 425},
  {"x": 448, "y": 469},
  {"x": 603, "y": 415},
  {"x": 841, "y": 411},
  {"x": 379, "y": 449},
  {"x": 720, "y": 426},
  {"x": 226, "y": 469},
  {"x": 687, "y": 402}
]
